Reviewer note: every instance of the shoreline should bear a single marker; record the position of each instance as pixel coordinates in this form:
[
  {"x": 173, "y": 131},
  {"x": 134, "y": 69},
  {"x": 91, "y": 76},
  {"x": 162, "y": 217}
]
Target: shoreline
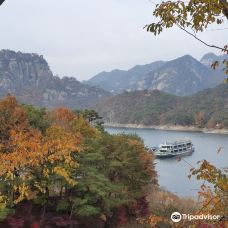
[{"x": 169, "y": 128}]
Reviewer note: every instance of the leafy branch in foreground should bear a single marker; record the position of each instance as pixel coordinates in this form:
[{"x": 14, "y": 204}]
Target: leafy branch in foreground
[
  {"x": 192, "y": 16},
  {"x": 215, "y": 198}
]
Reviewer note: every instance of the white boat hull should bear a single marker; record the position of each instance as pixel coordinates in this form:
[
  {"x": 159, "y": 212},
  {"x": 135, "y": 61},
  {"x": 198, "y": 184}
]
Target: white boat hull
[{"x": 159, "y": 154}]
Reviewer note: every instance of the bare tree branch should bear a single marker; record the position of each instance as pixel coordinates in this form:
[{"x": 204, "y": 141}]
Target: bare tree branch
[
  {"x": 1, "y": 1},
  {"x": 191, "y": 34}
]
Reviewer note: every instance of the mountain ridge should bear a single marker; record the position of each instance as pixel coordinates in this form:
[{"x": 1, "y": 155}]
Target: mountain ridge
[
  {"x": 162, "y": 75},
  {"x": 29, "y": 77}
]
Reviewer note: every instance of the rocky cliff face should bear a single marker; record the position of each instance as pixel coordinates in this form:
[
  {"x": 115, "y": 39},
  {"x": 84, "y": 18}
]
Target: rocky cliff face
[
  {"x": 29, "y": 78},
  {"x": 19, "y": 70}
]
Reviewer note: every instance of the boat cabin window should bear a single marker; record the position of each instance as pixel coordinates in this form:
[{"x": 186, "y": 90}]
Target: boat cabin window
[
  {"x": 175, "y": 150},
  {"x": 180, "y": 149},
  {"x": 162, "y": 150}
]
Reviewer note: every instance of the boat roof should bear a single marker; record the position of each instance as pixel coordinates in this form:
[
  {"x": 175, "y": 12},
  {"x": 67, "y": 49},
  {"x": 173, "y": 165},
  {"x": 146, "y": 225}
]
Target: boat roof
[{"x": 176, "y": 142}]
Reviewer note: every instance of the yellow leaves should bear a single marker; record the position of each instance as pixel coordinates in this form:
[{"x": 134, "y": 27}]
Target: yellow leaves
[
  {"x": 154, "y": 220},
  {"x": 39, "y": 187},
  {"x": 59, "y": 146},
  {"x": 214, "y": 199},
  {"x": 3, "y": 202},
  {"x": 9, "y": 176},
  {"x": 65, "y": 174},
  {"x": 193, "y": 14},
  {"x": 2, "y": 199},
  {"x": 23, "y": 191},
  {"x": 31, "y": 158},
  {"x": 46, "y": 172},
  {"x": 82, "y": 126}
]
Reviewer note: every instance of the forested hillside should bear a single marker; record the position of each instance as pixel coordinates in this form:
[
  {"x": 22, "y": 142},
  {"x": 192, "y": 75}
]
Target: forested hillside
[{"x": 208, "y": 108}]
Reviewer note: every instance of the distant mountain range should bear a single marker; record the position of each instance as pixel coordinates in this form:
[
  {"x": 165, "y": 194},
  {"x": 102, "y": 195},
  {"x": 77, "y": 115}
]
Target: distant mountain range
[
  {"x": 181, "y": 76},
  {"x": 29, "y": 78},
  {"x": 207, "y": 108}
]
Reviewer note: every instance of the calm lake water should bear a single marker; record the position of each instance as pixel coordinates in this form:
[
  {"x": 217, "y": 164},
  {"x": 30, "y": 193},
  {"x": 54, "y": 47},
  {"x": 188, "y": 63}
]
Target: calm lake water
[{"x": 173, "y": 175}]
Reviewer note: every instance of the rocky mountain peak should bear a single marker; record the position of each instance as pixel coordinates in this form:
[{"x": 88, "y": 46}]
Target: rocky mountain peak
[
  {"x": 186, "y": 60},
  {"x": 209, "y": 58},
  {"x": 29, "y": 78},
  {"x": 210, "y": 55},
  {"x": 23, "y": 68}
]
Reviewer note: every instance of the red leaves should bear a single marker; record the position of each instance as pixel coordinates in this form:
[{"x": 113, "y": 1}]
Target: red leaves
[
  {"x": 142, "y": 207},
  {"x": 15, "y": 222},
  {"x": 122, "y": 215},
  {"x": 35, "y": 225}
]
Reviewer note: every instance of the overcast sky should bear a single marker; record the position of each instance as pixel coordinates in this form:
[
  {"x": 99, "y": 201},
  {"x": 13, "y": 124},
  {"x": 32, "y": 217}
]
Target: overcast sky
[{"x": 81, "y": 38}]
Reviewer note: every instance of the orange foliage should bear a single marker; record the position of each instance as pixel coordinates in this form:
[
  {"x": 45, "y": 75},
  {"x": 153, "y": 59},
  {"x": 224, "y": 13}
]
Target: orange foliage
[
  {"x": 23, "y": 149},
  {"x": 199, "y": 119}
]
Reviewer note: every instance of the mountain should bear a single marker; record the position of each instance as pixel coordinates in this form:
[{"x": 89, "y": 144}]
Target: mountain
[
  {"x": 118, "y": 81},
  {"x": 209, "y": 58},
  {"x": 29, "y": 78},
  {"x": 181, "y": 76},
  {"x": 159, "y": 108}
]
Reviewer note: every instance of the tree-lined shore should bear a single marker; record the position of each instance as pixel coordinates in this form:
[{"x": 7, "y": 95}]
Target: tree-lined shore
[
  {"x": 201, "y": 111},
  {"x": 169, "y": 128}
]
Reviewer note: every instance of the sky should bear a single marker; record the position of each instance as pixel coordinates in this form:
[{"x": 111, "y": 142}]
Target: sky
[{"x": 81, "y": 38}]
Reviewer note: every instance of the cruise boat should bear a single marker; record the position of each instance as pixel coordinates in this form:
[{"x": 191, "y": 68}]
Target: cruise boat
[{"x": 172, "y": 149}]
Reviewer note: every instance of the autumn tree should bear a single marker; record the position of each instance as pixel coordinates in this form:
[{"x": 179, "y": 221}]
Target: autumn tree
[
  {"x": 199, "y": 119},
  {"x": 33, "y": 164},
  {"x": 211, "y": 123},
  {"x": 214, "y": 192}
]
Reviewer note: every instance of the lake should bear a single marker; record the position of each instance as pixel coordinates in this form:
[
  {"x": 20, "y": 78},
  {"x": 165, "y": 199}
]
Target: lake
[{"x": 173, "y": 175}]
